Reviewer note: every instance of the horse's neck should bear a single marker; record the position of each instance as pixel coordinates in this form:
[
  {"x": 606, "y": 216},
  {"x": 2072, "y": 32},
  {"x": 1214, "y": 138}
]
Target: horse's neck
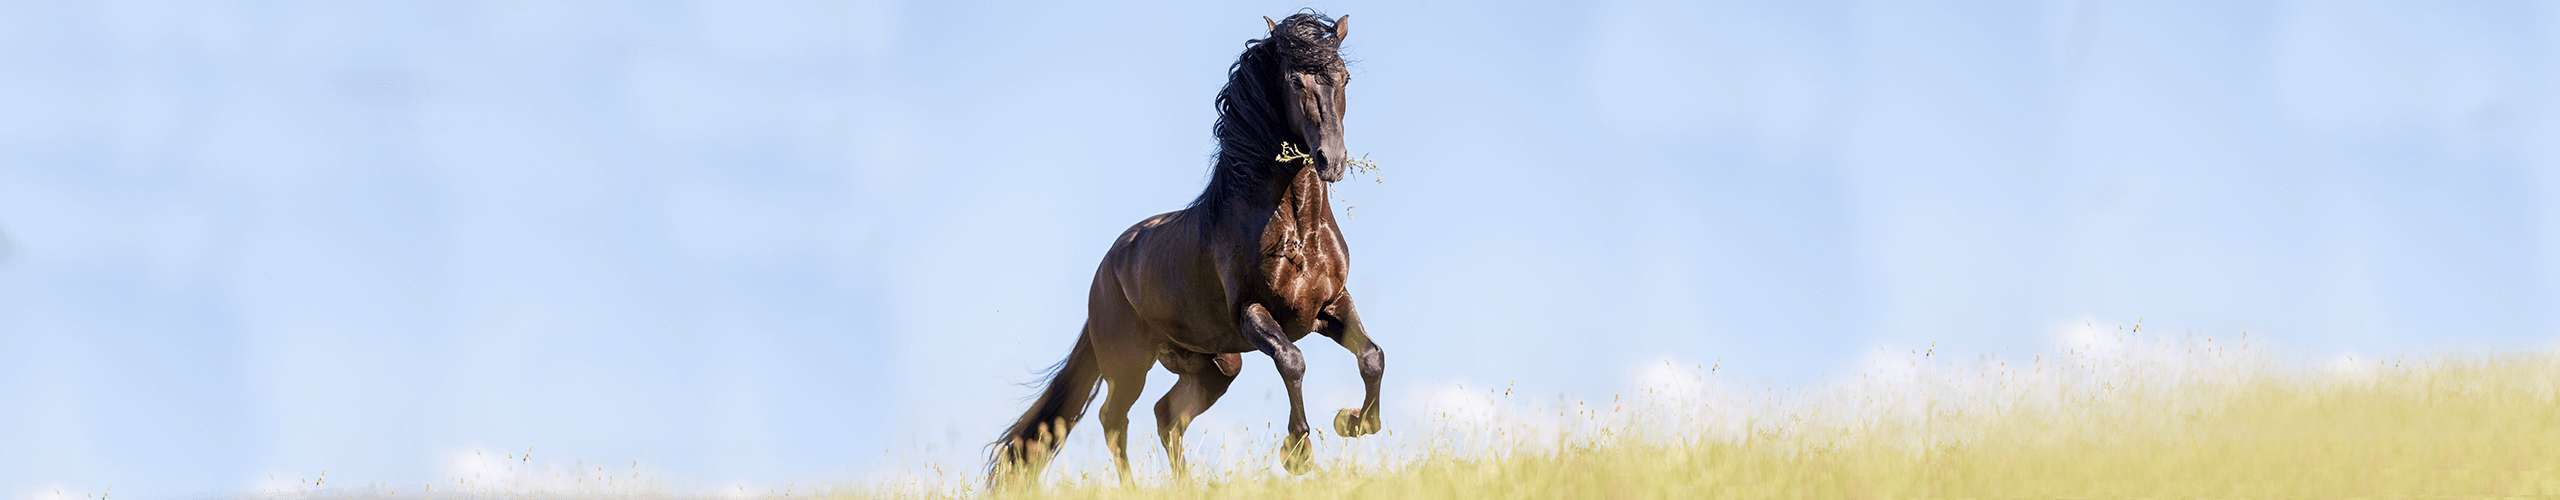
[
  {"x": 1291, "y": 204},
  {"x": 1303, "y": 199},
  {"x": 1305, "y": 195}
]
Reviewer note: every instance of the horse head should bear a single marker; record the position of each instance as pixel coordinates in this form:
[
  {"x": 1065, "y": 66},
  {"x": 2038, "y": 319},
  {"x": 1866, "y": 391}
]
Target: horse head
[{"x": 1313, "y": 78}]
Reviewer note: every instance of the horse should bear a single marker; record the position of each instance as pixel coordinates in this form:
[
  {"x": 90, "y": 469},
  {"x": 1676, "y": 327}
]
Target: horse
[{"x": 1255, "y": 263}]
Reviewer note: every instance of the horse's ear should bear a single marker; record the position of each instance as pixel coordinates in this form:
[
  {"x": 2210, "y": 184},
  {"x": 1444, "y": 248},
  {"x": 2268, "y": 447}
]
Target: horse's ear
[
  {"x": 1268, "y": 25},
  {"x": 1342, "y": 28}
]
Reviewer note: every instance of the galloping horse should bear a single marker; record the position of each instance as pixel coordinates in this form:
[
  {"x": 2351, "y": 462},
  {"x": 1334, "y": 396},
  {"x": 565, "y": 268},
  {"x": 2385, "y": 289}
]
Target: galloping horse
[{"x": 1253, "y": 264}]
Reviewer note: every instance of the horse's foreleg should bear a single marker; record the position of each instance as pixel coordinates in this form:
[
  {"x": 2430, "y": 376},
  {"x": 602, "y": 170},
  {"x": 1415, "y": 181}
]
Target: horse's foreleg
[
  {"x": 1266, "y": 335},
  {"x": 1203, "y": 380},
  {"x": 1341, "y": 322}
]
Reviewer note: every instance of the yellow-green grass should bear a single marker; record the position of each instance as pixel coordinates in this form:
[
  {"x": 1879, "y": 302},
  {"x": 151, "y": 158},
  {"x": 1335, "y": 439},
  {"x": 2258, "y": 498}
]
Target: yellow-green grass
[
  {"x": 2109, "y": 416},
  {"x": 2467, "y": 428}
]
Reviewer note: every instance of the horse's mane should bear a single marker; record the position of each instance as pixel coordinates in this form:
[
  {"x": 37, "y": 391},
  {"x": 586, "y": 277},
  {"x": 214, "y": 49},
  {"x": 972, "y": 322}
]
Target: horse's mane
[{"x": 1252, "y": 119}]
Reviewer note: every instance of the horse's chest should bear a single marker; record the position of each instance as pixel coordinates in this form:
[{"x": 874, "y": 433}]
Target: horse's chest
[
  {"x": 1302, "y": 272},
  {"x": 1299, "y": 257},
  {"x": 1298, "y": 273}
]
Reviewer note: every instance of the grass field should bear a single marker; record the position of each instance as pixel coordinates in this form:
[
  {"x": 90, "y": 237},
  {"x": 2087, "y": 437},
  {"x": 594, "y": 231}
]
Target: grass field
[
  {"x": 2111, "y": 419},
  {"x": 2106, "y": 416}
]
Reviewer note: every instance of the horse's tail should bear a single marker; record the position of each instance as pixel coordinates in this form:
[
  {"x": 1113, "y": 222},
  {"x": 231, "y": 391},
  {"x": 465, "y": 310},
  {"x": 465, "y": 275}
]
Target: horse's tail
[{"x": 1026, "y": 446}]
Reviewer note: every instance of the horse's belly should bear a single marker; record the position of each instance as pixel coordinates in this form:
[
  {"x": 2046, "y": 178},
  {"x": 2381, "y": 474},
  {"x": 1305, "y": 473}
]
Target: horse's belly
[
  {"x": 1190, "y": 315},
  {"x": 1210, "y": 325}
]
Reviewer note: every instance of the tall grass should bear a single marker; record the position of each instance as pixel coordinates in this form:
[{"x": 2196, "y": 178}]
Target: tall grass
[
  {"x": 2108, "y": 415},
  {"x": 2107, "y": 419}
]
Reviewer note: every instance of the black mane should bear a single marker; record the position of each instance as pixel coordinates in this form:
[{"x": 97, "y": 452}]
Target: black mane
[{"x": 1252, "y": 121}]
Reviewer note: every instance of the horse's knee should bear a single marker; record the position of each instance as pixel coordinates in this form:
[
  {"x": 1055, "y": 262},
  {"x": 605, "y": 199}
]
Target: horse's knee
[
  {"x": 1293, "y": 365},
  {"x": 1373, "y": 363}
]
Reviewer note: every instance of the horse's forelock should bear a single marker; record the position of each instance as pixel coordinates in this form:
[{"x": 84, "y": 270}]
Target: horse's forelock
[{"x": 1307, "y": 38}]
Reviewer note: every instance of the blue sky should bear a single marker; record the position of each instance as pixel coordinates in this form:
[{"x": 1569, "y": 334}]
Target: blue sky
[{"x": 771, "y": 242}]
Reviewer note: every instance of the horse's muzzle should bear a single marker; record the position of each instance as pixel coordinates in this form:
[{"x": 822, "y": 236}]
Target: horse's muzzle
[{"x": 1330, "y": 164}]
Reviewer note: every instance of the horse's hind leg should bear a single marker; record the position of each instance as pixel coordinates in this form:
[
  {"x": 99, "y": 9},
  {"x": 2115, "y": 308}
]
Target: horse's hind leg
[
  {"x": 1341, "y": 322},
  {"x": 1126, "y": 385},
  {"x": 1124, "y": 351},
  {"x": 1204, "y": 378}
]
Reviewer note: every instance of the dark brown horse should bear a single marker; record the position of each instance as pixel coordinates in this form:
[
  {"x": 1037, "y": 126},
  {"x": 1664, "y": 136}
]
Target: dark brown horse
[{"x": 1254, "y": 264}]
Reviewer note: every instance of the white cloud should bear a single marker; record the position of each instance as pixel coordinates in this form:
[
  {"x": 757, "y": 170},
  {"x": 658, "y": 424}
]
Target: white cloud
[
  {"x": 1471, "y": 419},
  {"x": 53, "y": 492},
  {"x": 517, "y": 473},
  {"x": 1676, "y": 400},
  {"x": 2351, "y": 368},
  {"x": 2085, "y": 339}
]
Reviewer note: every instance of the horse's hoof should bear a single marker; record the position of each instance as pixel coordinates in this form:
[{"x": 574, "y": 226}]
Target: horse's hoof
[
  {"x": 1348, "y": 423},
  {"x": 1293, "y": 456}
]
